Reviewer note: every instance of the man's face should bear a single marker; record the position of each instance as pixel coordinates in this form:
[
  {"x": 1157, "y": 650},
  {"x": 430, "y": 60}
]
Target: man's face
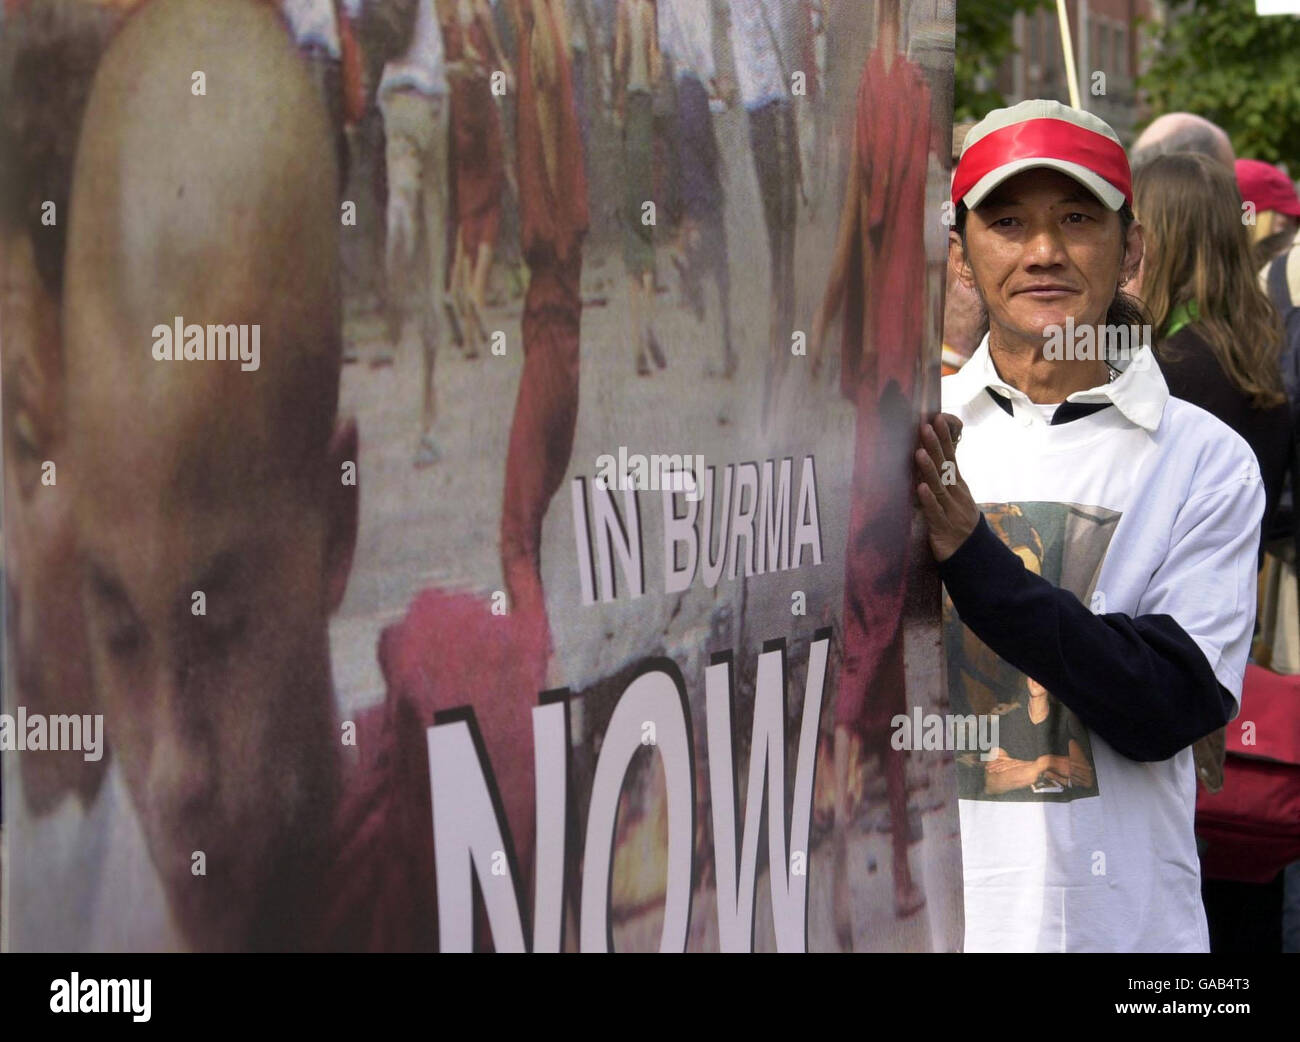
[
  {"x": 1042, "y": 249},
  {"x": 222, "y": 720},
  {"x": 46, "y": 635}
]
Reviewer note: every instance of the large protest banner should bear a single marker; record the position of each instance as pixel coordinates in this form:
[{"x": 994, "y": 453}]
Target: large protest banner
[{"x": 597, "y": 615}]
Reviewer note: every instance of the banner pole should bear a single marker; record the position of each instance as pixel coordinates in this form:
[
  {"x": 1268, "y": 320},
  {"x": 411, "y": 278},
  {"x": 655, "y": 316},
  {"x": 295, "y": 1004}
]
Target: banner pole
[{"x": 1067, "y": 48}]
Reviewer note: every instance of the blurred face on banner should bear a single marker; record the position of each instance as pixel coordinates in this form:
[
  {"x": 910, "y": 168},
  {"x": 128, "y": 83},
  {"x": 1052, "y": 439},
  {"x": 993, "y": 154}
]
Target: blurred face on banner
[
  {"x": 1041, "y": 249},
  {"x": 215, "y": 534},
  {"x": 221, "y": 720}
]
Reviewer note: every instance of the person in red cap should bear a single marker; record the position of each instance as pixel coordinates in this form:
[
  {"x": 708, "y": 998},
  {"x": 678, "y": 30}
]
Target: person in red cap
[
  {"x": 1098, "y": 538},
  {"x": 1275, "y": 206}
]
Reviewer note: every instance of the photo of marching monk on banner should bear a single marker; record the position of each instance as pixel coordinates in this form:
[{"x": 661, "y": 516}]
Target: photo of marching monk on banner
[
  {"x": 477, "y": 156},
  {"x": 879, "y": 260}
]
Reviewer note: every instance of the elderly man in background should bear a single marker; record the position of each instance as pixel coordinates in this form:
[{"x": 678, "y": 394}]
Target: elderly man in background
[{"x": 1183, "y": 132}]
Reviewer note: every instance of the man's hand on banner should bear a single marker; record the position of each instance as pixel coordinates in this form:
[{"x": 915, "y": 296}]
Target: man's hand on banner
[{"x": 949, "y": 508}]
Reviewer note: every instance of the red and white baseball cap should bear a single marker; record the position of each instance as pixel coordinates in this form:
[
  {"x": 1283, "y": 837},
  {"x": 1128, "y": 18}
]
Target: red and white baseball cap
[
  {"x": 1267, "y": 187},
  {"x": 1042, "y": 133}
]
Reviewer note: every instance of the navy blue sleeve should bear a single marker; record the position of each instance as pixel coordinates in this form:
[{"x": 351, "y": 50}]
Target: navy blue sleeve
[{"x": 1140, "y": 683}]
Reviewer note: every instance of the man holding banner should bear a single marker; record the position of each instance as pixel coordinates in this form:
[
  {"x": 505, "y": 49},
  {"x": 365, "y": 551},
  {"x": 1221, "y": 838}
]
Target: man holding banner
[{"x": 1148, "y": 509}]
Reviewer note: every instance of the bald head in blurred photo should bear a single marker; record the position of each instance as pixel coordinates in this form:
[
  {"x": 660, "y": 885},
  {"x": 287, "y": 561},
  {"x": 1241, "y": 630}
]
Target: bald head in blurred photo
[{"x": 215, "y": 533}]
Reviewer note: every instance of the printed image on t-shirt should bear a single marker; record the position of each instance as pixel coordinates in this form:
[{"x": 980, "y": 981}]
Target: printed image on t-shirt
[{"x": 1042, "y": 752}]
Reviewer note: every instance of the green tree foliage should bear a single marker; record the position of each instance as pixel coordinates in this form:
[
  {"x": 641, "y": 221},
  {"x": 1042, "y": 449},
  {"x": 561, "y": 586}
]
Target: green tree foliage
[
  {"x": 1217, "y": 58},
  {"x": 984, "y": 45}
]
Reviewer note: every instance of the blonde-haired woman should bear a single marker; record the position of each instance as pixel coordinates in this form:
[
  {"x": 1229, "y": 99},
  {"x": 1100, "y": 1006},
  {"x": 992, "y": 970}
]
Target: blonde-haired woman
[{"x": 1217, "y": 336}]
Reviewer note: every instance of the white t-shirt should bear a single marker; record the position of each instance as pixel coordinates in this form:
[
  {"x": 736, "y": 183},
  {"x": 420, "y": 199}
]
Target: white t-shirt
[
  {"x": 1046, "y": 411},
  {"x": 312, "y": 23},
  {"x": 423, "y": 67},
  {"x": 761, "y": 43},
  {"x": 686, "y": 36},
  {"x": 1150, "y": 506}
]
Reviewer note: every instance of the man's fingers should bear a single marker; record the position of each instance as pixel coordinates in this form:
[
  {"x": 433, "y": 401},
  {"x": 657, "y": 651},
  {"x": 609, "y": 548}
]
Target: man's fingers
[
  {"x": 934, "y": 513},
  {"x": 946, "y": 437},
  {"x": 954, "y": 425},
  {"x": 930, "y": 442},
  {"x": 929, "y": 473}
]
